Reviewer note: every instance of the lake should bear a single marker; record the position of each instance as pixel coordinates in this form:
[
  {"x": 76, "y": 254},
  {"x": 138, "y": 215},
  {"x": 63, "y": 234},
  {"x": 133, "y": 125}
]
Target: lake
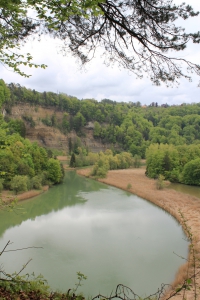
[
  {"x": 109, "y": 235},
  {"x": 186, "y": 189}
]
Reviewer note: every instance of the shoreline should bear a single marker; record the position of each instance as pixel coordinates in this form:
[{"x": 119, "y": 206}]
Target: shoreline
[
  {"x": 171, "y": 201},
  {"x": 6, "y": 196},
  {"x": 167, "y": 199}
]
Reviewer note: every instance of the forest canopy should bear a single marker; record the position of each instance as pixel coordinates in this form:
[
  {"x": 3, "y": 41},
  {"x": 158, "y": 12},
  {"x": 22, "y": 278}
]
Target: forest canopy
[
  {"x": 167, "y": 136},
  {"x": 23, "y": 165},
  {"x": 128, "y": 126}
]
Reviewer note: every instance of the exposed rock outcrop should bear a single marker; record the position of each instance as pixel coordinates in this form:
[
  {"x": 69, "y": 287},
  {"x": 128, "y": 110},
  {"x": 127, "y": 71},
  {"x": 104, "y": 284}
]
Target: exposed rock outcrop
[{"x": 52, "y": 137}]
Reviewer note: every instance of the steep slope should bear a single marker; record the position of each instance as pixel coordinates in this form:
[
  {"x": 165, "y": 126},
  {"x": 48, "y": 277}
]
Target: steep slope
[{"x": 50, "y": 136}]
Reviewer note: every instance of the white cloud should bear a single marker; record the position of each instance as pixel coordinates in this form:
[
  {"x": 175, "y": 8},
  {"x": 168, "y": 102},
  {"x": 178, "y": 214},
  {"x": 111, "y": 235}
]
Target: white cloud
[{"x": 98, "y": 81}]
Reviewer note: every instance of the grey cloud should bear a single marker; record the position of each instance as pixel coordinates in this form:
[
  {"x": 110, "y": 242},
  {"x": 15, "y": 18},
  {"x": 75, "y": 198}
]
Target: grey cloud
[{"x": 99, "y": 81}]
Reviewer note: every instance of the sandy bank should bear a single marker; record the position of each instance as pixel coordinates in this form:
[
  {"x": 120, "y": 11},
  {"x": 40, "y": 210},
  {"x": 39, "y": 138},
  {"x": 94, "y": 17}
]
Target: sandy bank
[
  {"x": 7, "y": 196},
  {"x": 170, "y": 200}
]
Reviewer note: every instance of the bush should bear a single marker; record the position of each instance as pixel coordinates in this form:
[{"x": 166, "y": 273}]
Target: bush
[
  {"x": 99, "y": 172},
  {"x": 54, "y": 174},
  {"x": 129, "y": 186},
  {"x": 36, "y": 182},
  {"x": 82, "y": 159},
  {"x": 136, "y": 161},
  {"x": 24, "y": 169},
  {"x": 160, "y": 184},
  {"x": 19, "y": 183},
  {"x": 191, "y": 172},
  {"x": 113, "y": 162},
  {"x": 174, "y": 176},
  {"x": 1, "y": 185},
  {"x": 100, "y": 169},
  {"x": 47, "y": 121},
  {"x": 29, "y": 119}
]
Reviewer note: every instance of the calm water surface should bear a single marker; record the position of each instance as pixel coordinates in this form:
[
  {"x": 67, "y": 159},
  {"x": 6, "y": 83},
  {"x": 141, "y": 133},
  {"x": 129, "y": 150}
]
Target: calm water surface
[
  {"x": 109, "y": 235},
  {"x": 187, "y": 189}
]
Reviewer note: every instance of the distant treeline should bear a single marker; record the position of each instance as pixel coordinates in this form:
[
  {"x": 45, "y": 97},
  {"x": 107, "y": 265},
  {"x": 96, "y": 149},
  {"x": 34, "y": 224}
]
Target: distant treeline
[
  {"x": 130, "y": 125},
  {"x": 177, "y": 163}
]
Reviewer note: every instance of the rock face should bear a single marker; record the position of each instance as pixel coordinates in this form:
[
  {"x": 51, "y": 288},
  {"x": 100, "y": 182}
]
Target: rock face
[
  {"x": 46, "y": 136},
  {"x": 52, "y": 137}
]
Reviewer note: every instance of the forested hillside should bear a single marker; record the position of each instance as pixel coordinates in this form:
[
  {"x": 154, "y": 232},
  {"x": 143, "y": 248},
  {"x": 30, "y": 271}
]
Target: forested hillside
[
  {"x": 131, "y": 126},
  {"x": 23, "y": 165},
  {"x": 168, "y": 136}
]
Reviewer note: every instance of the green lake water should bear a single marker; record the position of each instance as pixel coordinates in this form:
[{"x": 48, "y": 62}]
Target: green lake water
[
  {"x": 186, "y": 189},
  {"x": 109, "y": 235}
]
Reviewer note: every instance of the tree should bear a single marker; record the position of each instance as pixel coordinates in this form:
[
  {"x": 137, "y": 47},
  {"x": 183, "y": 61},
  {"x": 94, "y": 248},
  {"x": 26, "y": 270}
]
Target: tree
[
  {"x": 137, "y": 34},
  {"x": 65, "y": 123},
  {"x": 136, "y": 161},
  {"x": 4, "y": 91},
  {"x": 191, "y": 172},
  {"x": 54, "y": 171},
  {"x": 78, "y": 122},
  {"x": 19, "y": 183},
  {"x": 17, "y": 126},
  {"x": 70, "y": 145},
  {"x": 97, "y": 129},
  {"x": 16, "y": 25},
  {"x": 7, "y": 165},
  {"x": 72, "y": 163}
]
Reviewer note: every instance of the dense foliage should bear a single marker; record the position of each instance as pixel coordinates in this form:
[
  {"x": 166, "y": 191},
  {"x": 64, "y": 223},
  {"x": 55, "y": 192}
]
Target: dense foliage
[
  {"x": 138, "y": 35},
  {"x": 169, "y": 136},
  {"x": 177, "y": 163},
  {"x": 23, "y": 165},
  {"x": 102, "y": 162},
  {"x": 130, "y": 126},
  {"x": 107, "y": 161},
  {"x": 17, "y": 24}
]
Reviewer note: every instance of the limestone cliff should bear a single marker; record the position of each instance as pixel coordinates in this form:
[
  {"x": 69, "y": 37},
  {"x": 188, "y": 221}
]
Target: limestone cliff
[{"x": 52, "y": 137}]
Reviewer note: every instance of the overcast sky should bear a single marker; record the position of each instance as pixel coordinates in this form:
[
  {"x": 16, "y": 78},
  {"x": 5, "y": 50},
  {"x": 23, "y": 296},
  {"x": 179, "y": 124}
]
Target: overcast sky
[{"x": 98, "y": 81}]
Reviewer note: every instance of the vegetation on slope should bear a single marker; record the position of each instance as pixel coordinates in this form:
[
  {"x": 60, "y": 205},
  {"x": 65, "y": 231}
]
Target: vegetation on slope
[
  {"x": 176, "y": 163},
  {"x": 131, "y": 126},
  {"x": 104, "y": 161},
  {"x": 136, "y": 129},
  {"x": 23, "y": 165},
  {"x": 169, "y": 137}
]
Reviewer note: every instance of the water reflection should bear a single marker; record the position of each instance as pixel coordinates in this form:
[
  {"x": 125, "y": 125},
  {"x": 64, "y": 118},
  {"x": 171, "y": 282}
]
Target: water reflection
[
  {"x": 187, "y": 189},
  {"x": 86, "y": 226}
]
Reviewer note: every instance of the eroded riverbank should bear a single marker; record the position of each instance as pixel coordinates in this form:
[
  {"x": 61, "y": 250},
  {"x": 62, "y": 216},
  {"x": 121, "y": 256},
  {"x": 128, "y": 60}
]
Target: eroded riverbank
[
  {"x": 171, "y": 201},
  {"x": 10, "y": 196}
]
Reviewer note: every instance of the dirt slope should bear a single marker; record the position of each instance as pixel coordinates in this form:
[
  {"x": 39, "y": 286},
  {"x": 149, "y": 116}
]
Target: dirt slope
[{"x": 51, "y": 137}]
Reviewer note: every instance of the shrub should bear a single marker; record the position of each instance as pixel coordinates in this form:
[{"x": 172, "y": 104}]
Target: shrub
[
  {"x": 136, "y": 161},
  {"x": 160, "y": 184},
  {"x": 29, "y": 119},
  {"x": 191, "y": 172},
  {"x": 47, "y": 121},
  {"x": 174, "y": 176},
  {"x": 101, "y": 172},
  {"x": 55, "y": 174},
  {"x": 129, "y": 186},
  {"x": 19, "y": 183},
  {"x": 1, "y": 185},
  {"x": 113, "y": 162},
  {"x": 100, "y": 169},
  {"x": 36, "y": 182}
]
